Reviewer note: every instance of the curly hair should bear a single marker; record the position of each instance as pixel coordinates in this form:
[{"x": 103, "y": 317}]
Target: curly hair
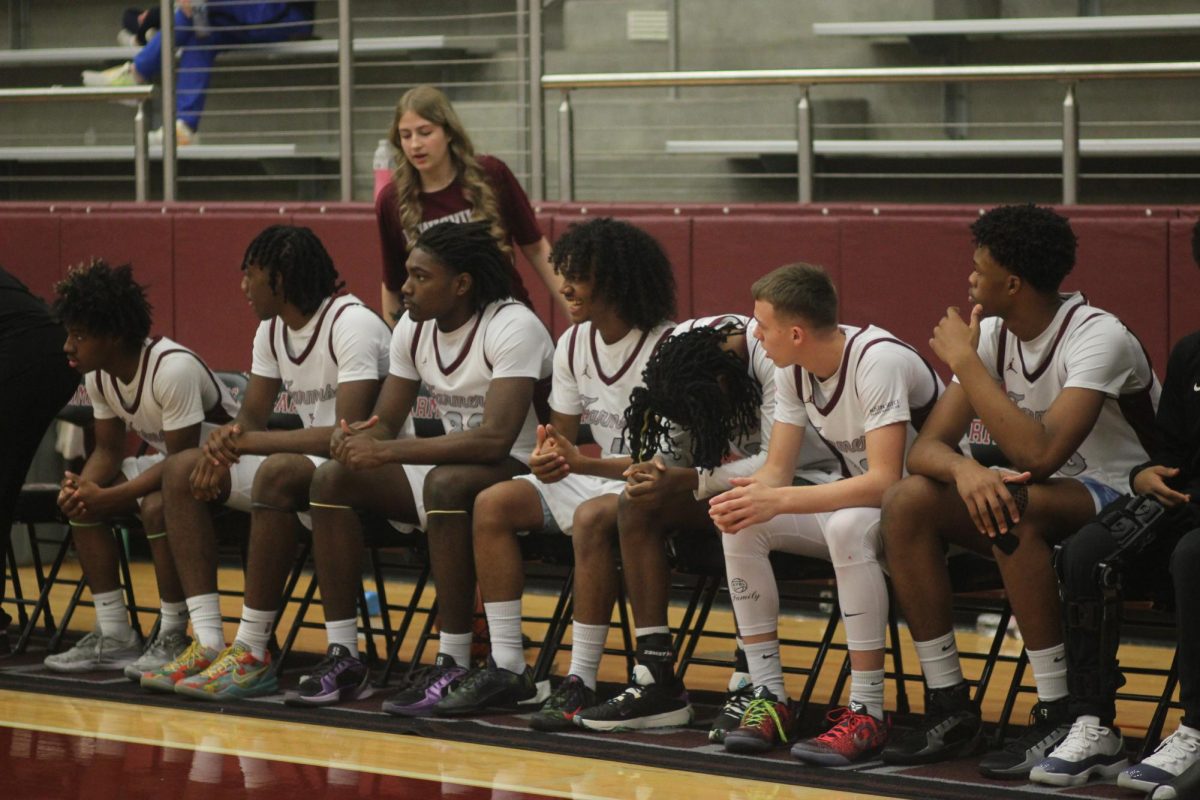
[
  {"x": 693, "y": 382},
  {"x": 104, "y": 301},
  {"x": 430, "y": 103},
  {"x": 626, "y": 265},
  {"x": 1031, "y": 242},
  {"x": 469, "y": 247},
  {"x": 295, "y": 257}
]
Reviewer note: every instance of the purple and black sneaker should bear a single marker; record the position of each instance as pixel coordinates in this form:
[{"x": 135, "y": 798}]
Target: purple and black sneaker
[
  {"x": 341, "y": 677},
  {"x": 426, "y": 688}
]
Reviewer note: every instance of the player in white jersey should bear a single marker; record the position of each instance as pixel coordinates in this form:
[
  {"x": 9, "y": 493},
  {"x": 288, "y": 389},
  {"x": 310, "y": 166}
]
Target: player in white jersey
[
  {"x": 329, "y": 352},
  {"x": 482, "y": 356},
  {"x": 164, "y": 393},
  {"x": 1067, "y": 393},
  {"x": 863, "y": 393},
  {"x": 707, "y": 402},
  {"x": 620, "y": 291}
]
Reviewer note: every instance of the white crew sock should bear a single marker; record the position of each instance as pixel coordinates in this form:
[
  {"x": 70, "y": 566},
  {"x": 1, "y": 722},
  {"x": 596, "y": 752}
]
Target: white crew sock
[
  {"x": 205, "y": 611},
  {"x": 587, "y": 648},
  {"x": 504, "y": 625},
  {"x": 255, "y": 630},
  {"x": 112, "y": 616},
  {"x": 1049, "y": 672},
  {"x": 939, "y": 662},
  {"x": 343, "y": 632}
]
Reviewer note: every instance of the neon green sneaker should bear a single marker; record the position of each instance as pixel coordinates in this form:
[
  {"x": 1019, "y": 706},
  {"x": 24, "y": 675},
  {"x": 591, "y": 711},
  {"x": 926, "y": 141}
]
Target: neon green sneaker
[
  {"x": 120, "y": 75},
  {"x": 235, "y": 674},
  {"x": 192, "y": 661}
]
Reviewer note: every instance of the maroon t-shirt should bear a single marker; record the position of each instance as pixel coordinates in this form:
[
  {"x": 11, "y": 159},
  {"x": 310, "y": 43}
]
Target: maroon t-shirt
[{"x": 450, "y": 205}]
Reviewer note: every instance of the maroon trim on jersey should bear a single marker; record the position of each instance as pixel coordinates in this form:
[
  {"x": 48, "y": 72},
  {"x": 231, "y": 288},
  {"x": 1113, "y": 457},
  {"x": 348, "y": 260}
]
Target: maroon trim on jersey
[
  {"x": 841, "y": 384},
  {"x": 1045, "y": 365},
  {"x": 499, "y": 308},
  {"x": 312, "y": 342},
  {"x": 412, "y": 348},
  {"x": 916, "y": 415},
  {"x": 609, "y": 381},
  {"x": 333, "y": 322},
  {"x": 217, "y": 414},
  {"x": 137, "y": 397},
  {"x": 571, "y": 349},
  {"x": 462, "y": 354},
  {"x": 836, "y": 453}
]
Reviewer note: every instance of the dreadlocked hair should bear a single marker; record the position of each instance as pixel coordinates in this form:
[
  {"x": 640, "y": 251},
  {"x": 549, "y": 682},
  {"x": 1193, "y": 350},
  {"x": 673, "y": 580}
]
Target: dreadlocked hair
[
  {"x": 693, "y": 382},
  {"x": 470, "y": 247},
  {"x": 626, "y": 265},
  {"x": 296, "y": 256},
  {"x": 104, "y": 301}
]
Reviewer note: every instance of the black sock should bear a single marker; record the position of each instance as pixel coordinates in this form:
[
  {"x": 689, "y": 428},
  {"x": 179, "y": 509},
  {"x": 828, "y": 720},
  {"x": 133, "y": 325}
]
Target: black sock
[
  {"x": 654, "y": 652},
  {"x": 740, "y": 664}
]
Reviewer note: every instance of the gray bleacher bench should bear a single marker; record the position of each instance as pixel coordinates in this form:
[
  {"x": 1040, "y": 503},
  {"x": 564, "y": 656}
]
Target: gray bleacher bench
[
  {"x": 1111, "y": 25},
  {"x": 939, "y": 148},
  {"x": 363, "y": 46}
]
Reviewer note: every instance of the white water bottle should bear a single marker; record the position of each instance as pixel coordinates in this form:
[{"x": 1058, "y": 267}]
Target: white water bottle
[{"x": 384, "y": 161}]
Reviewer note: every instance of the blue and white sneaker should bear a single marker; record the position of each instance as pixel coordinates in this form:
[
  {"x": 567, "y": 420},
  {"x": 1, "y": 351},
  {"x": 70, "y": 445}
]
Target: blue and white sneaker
[
  {"x": 1089, "y": 749},
  {"x": 1174, "y": 756}
]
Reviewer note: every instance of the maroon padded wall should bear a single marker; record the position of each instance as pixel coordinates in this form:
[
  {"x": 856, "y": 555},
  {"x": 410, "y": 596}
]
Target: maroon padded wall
[
  {"x": 1183, "y": 283},
  {"x": 353, "y": 243},
  {"x": 30, "y": 248}
]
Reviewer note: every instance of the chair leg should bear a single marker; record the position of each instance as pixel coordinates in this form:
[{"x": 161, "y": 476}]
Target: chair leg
[
  {"x": 423, "y": 639},
  {"x": 18, "y": 594},
  {"x": 381, "y": 592},
  {"x": 43, "y": 602},
  {"x": 823, "y": 648},
  {"x": 1010, "y": 699},
  {"x": 902, "y": 706},
  {"x": 555, "y": 629},
  {"x": 410, "y": 611},
  {"x": 1154, "y": 729},
  {"x": 56, "y": 639},
  {"x": 705, "y": 595},
  {"x": 626, "y": 630},
  {"x": 297, "y": 623},
  {"x": 127, "y": 579},
  {"x": 365, "y": 615}
]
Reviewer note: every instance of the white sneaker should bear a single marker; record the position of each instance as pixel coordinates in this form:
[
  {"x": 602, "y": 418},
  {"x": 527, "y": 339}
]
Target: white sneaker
[
  {"x": 184, "y": 135},
  {"x": 120, "y": 75},
  {"x": 1089, "y": 749},
  {"x": 128, "y": 39},
  {"x": 96, "y": 652},
  {"x": 163, "y": 648},
  {"x": 1178, "y": 752}
]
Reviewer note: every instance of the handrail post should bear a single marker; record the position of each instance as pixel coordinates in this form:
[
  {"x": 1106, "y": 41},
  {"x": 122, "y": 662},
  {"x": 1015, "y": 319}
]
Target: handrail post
[
  {"x": 566, "y": 150},
  {"x": 168, "y": 99},
  {"x": 141, "y": 155},
  {"x": 345, "y": 101},
  {"x": 522, "y": 87},
  {"x": 1070, "y": 147},
  {"x": 673, "y": 43},
  {"x": 804, "y": 147},
  {"x": 537, "y": 108}
]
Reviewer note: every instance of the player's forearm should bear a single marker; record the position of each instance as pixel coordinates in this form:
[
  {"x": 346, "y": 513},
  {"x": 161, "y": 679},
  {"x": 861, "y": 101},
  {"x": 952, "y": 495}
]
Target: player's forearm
[
  {"x": 102, "y": 466},
  {"x": 306, "y": 441},
  {"x": 1021, "y": 436},
  {"x": 934, "y": 458},
  {"x": 713, "y": 482},
  {"x": 860, "y": 491},
  {"x": 461, "y": 447},
  {"x": 613, "y": 467}
]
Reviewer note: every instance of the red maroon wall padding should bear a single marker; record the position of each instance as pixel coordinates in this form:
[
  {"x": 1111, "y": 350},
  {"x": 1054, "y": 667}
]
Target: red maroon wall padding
[
  {"x": 30, "y": 248},
  {"x": 1183, "y": 284}
]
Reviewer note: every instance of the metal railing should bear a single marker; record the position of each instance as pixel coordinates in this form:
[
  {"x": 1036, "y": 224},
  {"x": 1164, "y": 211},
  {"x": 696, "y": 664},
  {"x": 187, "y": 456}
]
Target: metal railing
[
  {"x": 804, "y": 79},
  {"x": 73, "y": 94}
]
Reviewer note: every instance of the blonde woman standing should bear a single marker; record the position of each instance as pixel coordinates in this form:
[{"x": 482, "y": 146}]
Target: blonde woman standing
[{"x": 438, "y": 178}]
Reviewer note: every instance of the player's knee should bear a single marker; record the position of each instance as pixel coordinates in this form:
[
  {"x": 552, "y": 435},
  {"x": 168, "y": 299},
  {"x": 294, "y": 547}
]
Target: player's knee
[
  {"x": 177, "y": 471},
  {"x": 445, "y": 490},
  {"x": 329, "y": 483},
  {"x": 1080, "y": 555},
  {"x": 853, "y": 538},
  {"x": 906, "y": 504},
  {"x": 749, "y": 542},
  {"x": 594, "y": 526},
  {"x": 634, "y": 519},
  {"x": 151, "y": 513},
  {"x": 1185, "y": 561},
  {"x": 494, "y": 506},
  {"x": 282, "y": 480}
]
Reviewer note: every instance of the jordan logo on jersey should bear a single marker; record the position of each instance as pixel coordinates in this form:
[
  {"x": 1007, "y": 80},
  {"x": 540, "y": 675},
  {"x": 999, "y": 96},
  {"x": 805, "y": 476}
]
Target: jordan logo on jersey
[{"x": 1012, "y": 366}]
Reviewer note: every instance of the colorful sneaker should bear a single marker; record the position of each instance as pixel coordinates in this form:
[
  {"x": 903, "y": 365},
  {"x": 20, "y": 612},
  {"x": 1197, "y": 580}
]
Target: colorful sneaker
[
  {"x": 643, "y": 704},
  {"x": 426, "y": 688},
  {"x": 192, "y": 661},
  {"x": 1177, "y": 753},
  {"x": 1089, "y": 749},
  {"x": 737, "y": 699},
  {"x": 339, "y": 678},
  {"x": 96, "y": 652},
  {"x": 949, "y": 729},
  {"x": 163, "y": 648},
  {"x": 767, "y": 723},
  {"x": 236, "y": 674},
  {"x": 1049, "y": 724},
  {"x": 559, "y": 710},
  {"x": 853, "y": 736},
  {"x": 487, "y": 687}
]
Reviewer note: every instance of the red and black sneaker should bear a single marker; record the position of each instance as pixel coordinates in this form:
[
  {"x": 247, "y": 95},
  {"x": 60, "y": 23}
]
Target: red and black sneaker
[
  {"x": 559, "y": 710},
  {"x": 767, "y": 723},
  {"x": 853, "y": 736}
]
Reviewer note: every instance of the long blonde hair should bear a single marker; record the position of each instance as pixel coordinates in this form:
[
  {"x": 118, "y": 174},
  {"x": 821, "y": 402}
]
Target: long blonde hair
[{"x": 430, "y": 103}]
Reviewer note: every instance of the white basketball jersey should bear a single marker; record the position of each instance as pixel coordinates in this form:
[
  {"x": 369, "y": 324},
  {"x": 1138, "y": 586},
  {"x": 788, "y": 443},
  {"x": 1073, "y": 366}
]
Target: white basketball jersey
[
  {"x": 505, "y": 340},
  {"x": 344, "y": 341},
  {"x": 880, "y": 381},
  {"x": 172, "y": 389},
  {"x": 815, "y": 462},
  {"x": 593, "y": 380},
  {"x": 1087, "y": 348}
]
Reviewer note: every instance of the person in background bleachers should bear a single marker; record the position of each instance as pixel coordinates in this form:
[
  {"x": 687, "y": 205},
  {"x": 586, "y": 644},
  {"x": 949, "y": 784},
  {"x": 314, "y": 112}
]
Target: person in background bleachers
[
  {"x": 167, "y": 395},
  {"x": 439, "y": 178},
  {"x": 329, "y": 352},
  {"x": 1068, "y": 394},
  {"x": 38, "y": 382},
  {"x": 138, "y": 26},
  {"x": 1167, "y": 484},
  {"x": 202, "y": 30}
]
